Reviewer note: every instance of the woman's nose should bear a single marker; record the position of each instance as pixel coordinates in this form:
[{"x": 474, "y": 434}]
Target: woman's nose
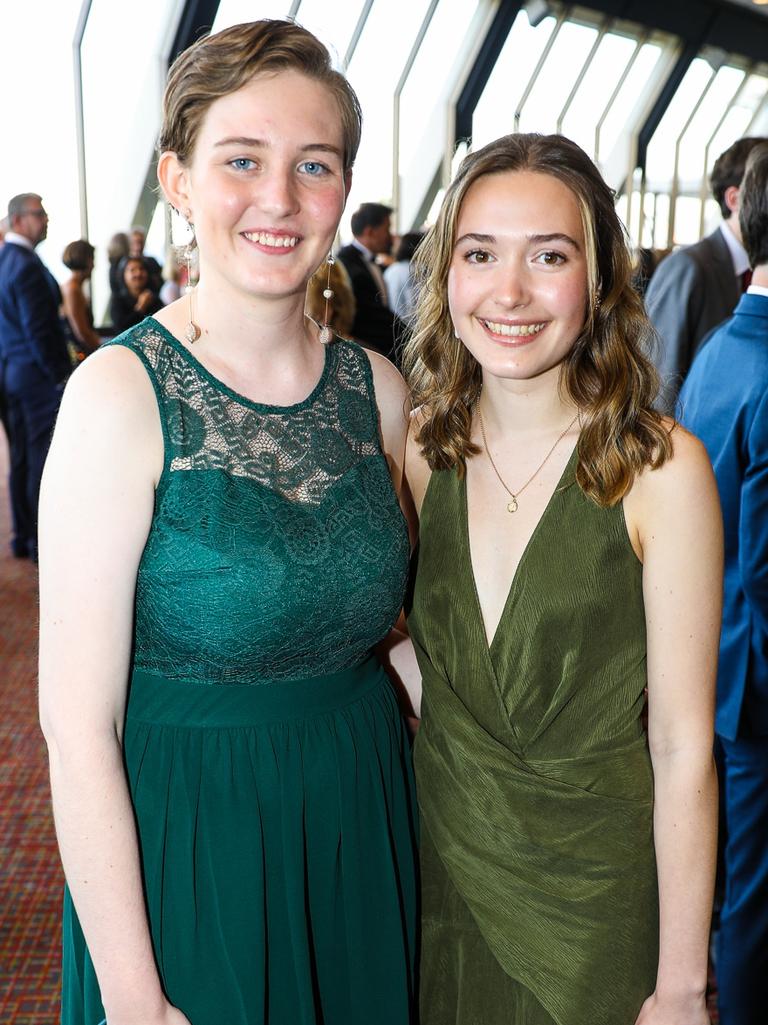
[
  {"x": 514, "y": 288},
  {"x": 277, "y": 194}
]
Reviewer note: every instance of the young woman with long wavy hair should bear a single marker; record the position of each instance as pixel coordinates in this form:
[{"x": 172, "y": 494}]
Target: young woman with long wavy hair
[{"x": 569, "y": 561}]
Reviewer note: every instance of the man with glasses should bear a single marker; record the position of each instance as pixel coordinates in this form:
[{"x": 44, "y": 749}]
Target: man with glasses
[{"x": 33, "y": 361}]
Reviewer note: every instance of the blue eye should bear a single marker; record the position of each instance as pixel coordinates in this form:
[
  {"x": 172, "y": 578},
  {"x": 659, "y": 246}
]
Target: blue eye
[
  {"x": 242, "y": 164},
  {"x": 314, "y": 168}
]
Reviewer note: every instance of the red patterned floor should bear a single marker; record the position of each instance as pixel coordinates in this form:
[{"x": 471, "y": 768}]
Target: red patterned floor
[{"x": 30, "y": 871}]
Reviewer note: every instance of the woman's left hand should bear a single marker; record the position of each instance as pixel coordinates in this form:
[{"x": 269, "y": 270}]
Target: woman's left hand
[{"x": 673, "y": 1010}]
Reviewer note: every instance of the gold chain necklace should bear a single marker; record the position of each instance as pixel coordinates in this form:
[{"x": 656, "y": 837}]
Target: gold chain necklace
[{"x": 512, "y": 505}]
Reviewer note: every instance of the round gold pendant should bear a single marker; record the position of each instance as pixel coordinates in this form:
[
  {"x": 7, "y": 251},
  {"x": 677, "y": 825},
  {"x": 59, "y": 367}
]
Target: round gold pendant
[{"x": 512, "y": 506}]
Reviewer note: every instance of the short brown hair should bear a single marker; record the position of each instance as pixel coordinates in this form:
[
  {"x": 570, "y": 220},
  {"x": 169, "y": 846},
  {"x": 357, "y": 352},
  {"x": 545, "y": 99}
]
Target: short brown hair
[
  {"x": 606, "y": 374},
  {"x": 728, "y": 169},
  {"x": 78, "y": 255},
  {"x": 753, "y": 206},
  {"x": 220, "y": 64}
]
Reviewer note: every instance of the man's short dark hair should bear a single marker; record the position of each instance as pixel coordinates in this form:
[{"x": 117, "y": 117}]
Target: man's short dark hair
[
  {"x": 369, "y": 215},
  {"x": 753, "y": 206},
  {"x": 729, "y": 169}
]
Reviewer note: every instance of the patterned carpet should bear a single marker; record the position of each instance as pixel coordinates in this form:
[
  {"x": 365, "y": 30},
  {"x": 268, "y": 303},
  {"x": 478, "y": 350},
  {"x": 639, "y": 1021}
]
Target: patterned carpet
[{"x": 30, "y": 871}]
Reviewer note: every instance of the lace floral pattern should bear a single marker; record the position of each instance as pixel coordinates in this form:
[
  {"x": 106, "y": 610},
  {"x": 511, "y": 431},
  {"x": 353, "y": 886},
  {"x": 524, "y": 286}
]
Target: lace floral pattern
[{"x": 277, "y": 549}]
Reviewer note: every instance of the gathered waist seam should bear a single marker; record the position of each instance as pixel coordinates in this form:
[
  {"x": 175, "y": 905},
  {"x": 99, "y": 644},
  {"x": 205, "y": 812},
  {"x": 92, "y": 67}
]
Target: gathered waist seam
[{"x": 157, "y": 700}]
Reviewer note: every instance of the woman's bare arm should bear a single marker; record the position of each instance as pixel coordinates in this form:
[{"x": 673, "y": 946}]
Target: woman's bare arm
[
  {"x": 95, "y": 512},
  {"x": 396, "y": 650},
  {"x": 676, "y": 513},
  {"x": 76, "y": 312}
]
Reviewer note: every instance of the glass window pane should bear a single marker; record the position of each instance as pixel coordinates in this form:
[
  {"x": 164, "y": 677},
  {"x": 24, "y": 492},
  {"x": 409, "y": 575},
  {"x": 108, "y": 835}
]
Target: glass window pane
[
  {"x": 634, "y": 85},
  {"x": 122, "y": 113},
  {"x": 374, "y": 72},
  {"x": 661, "y": 149},
  {"x": 234, "y": 12},
  {"x": 739, "y": 117},
  {"x": 423, "y": 121},
  {"x": 694, "y": 141},
  {"x": 333, "y": 23},
  {"x": 556, "y": 78},
  {"x": 687, "y": 220},
  {"x": 495, "y": 112},
  {"x": 608, "y": 63},
  {"x": 39, "y": 145}
]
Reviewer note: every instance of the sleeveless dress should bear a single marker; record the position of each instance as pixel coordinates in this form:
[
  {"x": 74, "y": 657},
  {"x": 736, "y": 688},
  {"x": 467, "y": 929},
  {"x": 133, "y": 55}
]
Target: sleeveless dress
[
  {"x": 266, "y": 757},
  {"x": 534, "y": 780}
]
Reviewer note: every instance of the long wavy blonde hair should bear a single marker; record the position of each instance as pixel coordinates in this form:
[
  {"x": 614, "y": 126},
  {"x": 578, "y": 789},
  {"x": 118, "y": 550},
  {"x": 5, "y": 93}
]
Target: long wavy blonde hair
[{"x": 606, "y": 374}]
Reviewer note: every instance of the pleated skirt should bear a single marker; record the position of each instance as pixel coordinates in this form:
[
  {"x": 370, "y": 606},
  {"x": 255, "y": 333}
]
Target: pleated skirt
[{"x": 277, "y": 836}]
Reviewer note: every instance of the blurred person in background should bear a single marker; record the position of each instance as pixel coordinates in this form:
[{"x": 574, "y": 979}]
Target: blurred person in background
[
  {"x": 136, "y": 243},
  {"x": 697, "y": 287},
  {"x": 375, "y": 324},
  {"x": 34, "y": 361},
  {"x": 398, "y": 277},
  {"x": 135, "y": 300},
  {"x": 175, "y": 279},
  {"x": 340, "y": 307},
  {"x": 78, "y": 257},
  {"x": 724, "y": 401},
  {"x": 117, "y": 251}
]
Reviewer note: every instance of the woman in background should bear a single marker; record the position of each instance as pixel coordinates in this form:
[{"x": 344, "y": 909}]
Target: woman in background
[
  {"x": 78, "y": 258},
  {"x": 230, "y": 772},
  {"x": 570, "y": 555},
  {"x": 135, "y": 300},
  {"x": 398, "y": 277},
  {"x": 338, "y": 309}
]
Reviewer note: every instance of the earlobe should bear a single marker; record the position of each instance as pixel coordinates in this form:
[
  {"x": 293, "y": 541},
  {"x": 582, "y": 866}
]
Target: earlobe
[
  {"x": 731, "y": 197},
  {"x": 173, "y": 177}
]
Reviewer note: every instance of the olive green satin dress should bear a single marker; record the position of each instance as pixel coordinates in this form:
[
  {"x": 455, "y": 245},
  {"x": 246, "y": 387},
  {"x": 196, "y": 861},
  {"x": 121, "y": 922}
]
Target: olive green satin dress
[{"x": 535, "y": 787}]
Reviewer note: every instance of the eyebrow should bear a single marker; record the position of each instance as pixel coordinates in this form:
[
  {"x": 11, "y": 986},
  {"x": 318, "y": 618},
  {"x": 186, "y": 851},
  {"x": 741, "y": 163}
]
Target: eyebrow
[
  {"x": 244, "y": 140},
  {"x": 537, "y": 240}
]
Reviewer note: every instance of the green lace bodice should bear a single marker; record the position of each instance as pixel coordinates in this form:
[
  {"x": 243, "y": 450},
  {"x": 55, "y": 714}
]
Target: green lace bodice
[{"x": 277, "y": 548}]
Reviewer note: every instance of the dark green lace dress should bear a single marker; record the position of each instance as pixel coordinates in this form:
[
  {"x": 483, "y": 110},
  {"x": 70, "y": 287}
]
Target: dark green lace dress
[
  {"x": 535, "y": 786},
  {"x": 266, "y": 757}
]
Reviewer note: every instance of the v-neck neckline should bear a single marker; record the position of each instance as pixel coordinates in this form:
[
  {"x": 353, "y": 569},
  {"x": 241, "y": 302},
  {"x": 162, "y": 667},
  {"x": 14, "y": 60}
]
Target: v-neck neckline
[{"x": 559, "y": 488}]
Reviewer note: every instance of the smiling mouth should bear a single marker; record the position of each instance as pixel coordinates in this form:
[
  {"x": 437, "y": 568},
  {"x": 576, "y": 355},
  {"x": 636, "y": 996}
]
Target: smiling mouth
[
  {"x": 512, "y": 330},
  {"x": 264, "y": 238}
]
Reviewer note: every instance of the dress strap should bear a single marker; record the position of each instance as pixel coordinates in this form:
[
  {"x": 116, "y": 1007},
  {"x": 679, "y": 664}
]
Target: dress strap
[{"x": 142, "y": 341}]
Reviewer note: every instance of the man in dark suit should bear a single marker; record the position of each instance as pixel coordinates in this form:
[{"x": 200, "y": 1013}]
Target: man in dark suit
[
  {"x": 696, "y": 288},
  {"x": 725, "y": 402},
  {"x": 375, "y": 324},
  {"x": 33, "y": 361}
]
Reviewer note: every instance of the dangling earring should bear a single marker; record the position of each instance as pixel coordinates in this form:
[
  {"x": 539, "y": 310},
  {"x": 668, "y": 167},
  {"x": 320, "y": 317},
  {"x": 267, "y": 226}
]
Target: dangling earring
[
  {"x": 192, "y": 332},
  {"x": 326, "y": 334}
]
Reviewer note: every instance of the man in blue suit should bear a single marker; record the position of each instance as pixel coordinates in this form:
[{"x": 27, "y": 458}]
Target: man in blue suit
[
  {"x": 33, "y": 361},
  {"x": 725, "y": 402}
]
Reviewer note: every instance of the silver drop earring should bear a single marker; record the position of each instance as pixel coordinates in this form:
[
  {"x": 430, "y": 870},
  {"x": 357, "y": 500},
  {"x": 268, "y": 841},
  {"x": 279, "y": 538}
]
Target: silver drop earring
[
  {"x": 192, "y": 332},
  {"x": 326, "y": 334}
]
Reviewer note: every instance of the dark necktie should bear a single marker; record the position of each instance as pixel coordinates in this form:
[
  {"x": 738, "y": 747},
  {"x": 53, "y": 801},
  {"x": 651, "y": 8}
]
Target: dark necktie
[{"x": 378, "y": 277}]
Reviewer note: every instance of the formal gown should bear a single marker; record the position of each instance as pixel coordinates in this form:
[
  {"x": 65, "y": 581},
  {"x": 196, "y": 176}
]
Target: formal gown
[
  {"x": 535, "y": 787},
  {"x": 265, "y": 754}
]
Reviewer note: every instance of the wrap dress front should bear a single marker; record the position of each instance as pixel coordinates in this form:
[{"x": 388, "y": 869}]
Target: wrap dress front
[{"x": 535, "y": 786}]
